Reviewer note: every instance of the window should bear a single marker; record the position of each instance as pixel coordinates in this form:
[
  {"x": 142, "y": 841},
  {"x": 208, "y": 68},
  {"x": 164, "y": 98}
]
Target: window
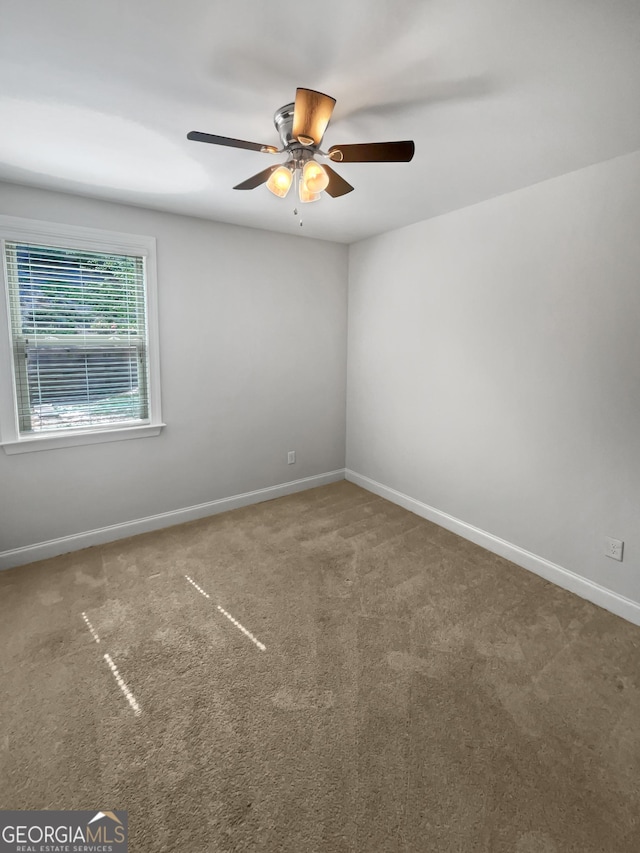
[{"x": 82, "y": 359}]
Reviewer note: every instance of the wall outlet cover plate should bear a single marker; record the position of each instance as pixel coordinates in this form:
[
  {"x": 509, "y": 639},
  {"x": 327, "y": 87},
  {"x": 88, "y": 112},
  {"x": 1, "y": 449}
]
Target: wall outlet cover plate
[{"x": 613, "y": 548}]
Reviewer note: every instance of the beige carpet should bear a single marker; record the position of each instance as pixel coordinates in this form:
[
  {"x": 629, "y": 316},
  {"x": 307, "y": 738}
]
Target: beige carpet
[{"x": 416, "y": 693}]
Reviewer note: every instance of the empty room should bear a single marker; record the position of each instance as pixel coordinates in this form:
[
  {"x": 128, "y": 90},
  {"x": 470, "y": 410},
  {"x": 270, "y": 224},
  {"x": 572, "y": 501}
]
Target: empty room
[{"x": 320, "y": 426}]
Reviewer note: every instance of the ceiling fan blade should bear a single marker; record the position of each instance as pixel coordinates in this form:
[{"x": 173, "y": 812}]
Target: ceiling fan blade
[
  {"x": 196, "y": 136},
  {"x": 256, "y": 180},
  {"x": 311, "y": 115},
  {"x": 337, "y": 185},
  {"x": 373, "y": 152}
]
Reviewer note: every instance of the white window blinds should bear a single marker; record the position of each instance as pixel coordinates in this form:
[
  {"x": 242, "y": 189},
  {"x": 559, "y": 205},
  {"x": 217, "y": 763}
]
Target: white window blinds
[{"x": 79, "y": 335}]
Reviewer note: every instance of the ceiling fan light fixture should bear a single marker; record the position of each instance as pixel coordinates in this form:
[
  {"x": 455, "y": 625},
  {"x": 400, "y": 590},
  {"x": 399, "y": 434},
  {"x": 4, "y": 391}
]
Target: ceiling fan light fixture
[
  {"x": 301, "y": 126},
  {"x": 279, "y": 182},
  {"x": 314, "y": 177}
]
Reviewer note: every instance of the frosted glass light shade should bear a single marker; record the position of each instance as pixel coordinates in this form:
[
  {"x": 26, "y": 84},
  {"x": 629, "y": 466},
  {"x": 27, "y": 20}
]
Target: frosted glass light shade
[
  {"x": 280, "y": 181},
  {"x": 314, "y": 177},
  {"x": 304, "y": 193}
]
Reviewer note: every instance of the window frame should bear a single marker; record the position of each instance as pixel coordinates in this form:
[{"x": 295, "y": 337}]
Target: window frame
[{"x": 35, "y": 232}]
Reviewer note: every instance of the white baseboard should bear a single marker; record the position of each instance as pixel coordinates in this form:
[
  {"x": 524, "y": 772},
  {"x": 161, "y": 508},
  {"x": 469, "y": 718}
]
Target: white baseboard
[
  {"x": 55, "y": 547},
  {"x": 600, "y": 595}
]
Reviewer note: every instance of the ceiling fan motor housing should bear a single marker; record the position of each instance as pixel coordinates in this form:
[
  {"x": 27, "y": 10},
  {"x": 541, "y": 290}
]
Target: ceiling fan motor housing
[{"x": 283, "y": 120}]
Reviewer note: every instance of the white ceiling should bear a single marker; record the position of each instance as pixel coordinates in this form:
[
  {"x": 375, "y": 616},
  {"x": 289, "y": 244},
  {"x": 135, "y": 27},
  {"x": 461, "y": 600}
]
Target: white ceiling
[{"x": 96, "y": 98}]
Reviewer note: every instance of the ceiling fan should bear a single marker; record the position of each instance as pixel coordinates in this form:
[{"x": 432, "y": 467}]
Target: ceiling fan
[{"x": 301, "y": 126}]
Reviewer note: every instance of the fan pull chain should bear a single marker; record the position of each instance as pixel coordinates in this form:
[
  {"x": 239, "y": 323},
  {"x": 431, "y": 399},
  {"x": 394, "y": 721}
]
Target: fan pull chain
[{"x": 296, "y": 178}]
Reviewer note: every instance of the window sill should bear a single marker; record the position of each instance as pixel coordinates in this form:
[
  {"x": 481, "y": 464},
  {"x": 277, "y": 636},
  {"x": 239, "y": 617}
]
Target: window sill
[{"x": 52, "y": 442}]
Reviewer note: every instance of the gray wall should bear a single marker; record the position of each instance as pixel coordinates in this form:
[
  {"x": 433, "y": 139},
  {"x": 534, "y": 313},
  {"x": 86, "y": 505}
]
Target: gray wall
[
  {"x": 494, "y": 367},
  {"x": 253, "y": 364}
]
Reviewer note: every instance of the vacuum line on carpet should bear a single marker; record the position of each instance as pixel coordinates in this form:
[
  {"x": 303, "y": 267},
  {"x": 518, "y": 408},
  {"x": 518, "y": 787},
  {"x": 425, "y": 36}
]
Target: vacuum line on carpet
[
  {"x": 193, "y": 583},
  {"x": 94, "y": 633},
  {"x": 137, "y": 710}
]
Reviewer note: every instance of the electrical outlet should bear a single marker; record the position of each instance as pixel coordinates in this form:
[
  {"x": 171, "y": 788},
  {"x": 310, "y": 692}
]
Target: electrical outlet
[
  {"x": 291, "y": 457},
  {"x": 613, "y": 548}
]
